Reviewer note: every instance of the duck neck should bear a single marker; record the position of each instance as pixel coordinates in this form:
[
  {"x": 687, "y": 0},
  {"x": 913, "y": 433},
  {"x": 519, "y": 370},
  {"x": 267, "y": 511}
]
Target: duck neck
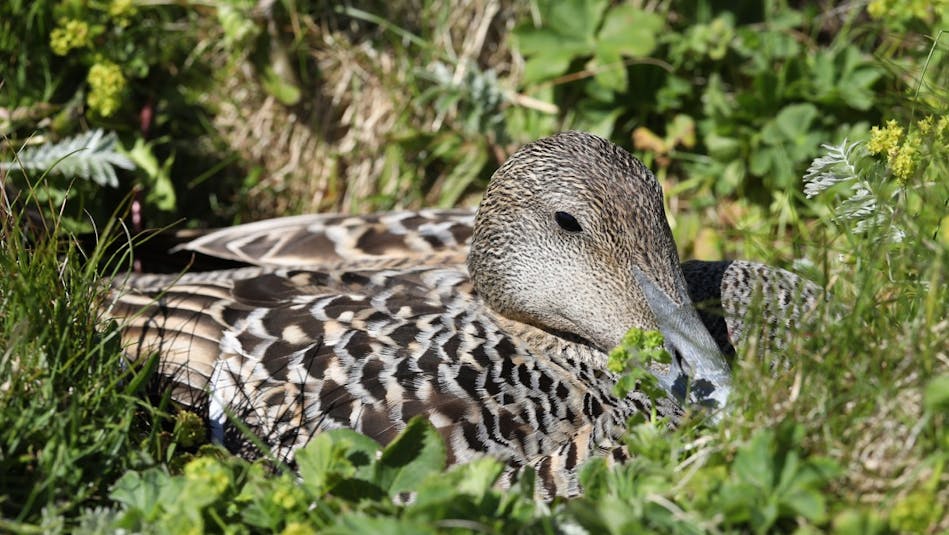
[{"x": 565, "y": 349}]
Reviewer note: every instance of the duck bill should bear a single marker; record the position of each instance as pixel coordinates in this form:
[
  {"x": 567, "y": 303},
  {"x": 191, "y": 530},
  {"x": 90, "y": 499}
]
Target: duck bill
[{"x": 698, "y": 373}]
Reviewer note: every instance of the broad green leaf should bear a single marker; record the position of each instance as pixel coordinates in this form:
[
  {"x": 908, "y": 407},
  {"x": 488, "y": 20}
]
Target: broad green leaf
[
  {"x": 576, "y": 19},
  {"x": 753, "y": 464},
  {"x": 760, "y": 161},
  {"x": 478, "y": 476},
  {"x": 595, "y": 118},
  {"x": 629, "y": 31},
  {"x": 731, "y": 176},
  {"x": 594, "y": 477},
  {"x": 610, "y": 70},
  {"x": 536, "y": 42},
  {"x": 715, "y": 101},
  {"x": 354, "y": 489},
  {"x": 808, "y": 503},
  {"x": 566, "y": 33},
  {"x": 376, "y": 525},
  {"x": 475, "y": 478},
  {"x": 791, "y": 122},
  {"x": 626, "y": 31},
  {"x": 722, "y": 147},
  {"x": 333, "y": 456},
  {"x": 160, "y": 188},
  {"x": 417, "y": 452},
  {"x": 544, "y": 67},
  {"x": 763, "y": 517},
  {"x": 141, "y": 490}
]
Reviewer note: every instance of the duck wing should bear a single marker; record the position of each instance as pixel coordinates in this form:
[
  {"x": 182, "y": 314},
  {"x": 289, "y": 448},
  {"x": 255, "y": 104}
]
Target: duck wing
[
  {"x": 327, "y": 240},
  {"x": 293, "y": 352}
]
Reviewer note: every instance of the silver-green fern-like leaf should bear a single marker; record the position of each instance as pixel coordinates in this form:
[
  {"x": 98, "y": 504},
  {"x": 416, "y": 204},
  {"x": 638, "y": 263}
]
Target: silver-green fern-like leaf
[
  {"x": 835, "y": 167},
  {"x": 92, "y": 155},
  {"x": 863, "y": 208}
]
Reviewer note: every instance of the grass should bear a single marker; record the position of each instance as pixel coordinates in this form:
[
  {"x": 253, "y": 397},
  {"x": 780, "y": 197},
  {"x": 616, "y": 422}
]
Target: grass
[
  {"x": 851, "y": 438},
  {"x": 67, "y": 409}
]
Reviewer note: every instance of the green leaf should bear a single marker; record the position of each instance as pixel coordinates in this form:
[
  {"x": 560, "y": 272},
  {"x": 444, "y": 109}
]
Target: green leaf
[
  {"x": 596, "y": 119},
  {"x": 160, "y": 188},
  {"x": 551, "y": 45},
  {"x": 808, "y": 503},
  {"x": 141, "y": 491},
  {"x": 763, "y": 517},
  {"x": 475, "y": 479},
  {"x": 478, "y": 476},
  {"x": 333, "y": 456},
  {"x": 544, "y": 67},
  {"x": 566, "y": 33},
  {"x": 629, "y": 31},
  {"x": 610, "y": 70},
  {"x": 417, "y": 452},
  {"x": 753, "y": 462},
  {"x": 790, "y": 123},
  {"x": 376, "y": 525},
  {"x": 574, "y": 19},
  {"x": 626, "y": 31},
  {"x": 92, "y": 155},
  {"x": 594, "y": 477}
]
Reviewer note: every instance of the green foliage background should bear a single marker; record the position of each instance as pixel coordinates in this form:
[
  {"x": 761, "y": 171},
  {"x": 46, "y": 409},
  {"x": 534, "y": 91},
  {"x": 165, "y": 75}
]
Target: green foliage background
[{"x": 232, "y": 111}]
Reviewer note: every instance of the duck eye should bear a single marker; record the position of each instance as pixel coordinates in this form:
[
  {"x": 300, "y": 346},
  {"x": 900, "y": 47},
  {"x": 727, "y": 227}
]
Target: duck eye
[{"x": 567, "y": 222}]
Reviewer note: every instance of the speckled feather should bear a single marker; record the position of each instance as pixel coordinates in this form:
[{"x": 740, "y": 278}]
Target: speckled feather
[
  {"x": 378, "y": 321},
  {"x": 291, "y": 353}
]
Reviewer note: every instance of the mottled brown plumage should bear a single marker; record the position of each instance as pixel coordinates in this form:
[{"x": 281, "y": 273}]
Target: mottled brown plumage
[{"x": 380, "y": 321}]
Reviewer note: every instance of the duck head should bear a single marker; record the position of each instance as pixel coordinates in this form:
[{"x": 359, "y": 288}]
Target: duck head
[{"x": 571, "y": 237}]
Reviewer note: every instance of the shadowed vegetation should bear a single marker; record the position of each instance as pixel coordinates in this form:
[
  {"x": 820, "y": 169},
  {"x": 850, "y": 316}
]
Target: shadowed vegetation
[{"x": 226, "y": 112}]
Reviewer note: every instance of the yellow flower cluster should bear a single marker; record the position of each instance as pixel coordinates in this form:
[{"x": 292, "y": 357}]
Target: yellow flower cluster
[
  {"x": 122, "y": 11},
  {"x": 915, "y": 511},
  {"x": 885, "y": 140},
  {"x": 297, "y": 528},
  {"x": 70, "y": 34},
  {"x": 905, "y": 9},
  {"x": 903, "y": 152},
  {"x": 287, "y": 496},
  {"x": 189, "y": 429},
  {"x": 106, "y": 83},
  {"x": 209, "y": 472}
]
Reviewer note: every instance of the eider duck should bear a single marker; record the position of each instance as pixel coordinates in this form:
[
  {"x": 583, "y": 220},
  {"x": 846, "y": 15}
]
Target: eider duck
[{"x": 503, "y": 350}]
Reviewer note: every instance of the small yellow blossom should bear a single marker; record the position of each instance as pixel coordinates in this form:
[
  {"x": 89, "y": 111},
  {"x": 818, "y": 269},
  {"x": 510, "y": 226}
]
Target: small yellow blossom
[
  {"x": 286, "y": 497},
  {"x": 903, "y": 162},
  {"x": 210, "y": 472},
  {"x": 885, "y": 140},
  {"x": 122, "y": 11},
  {"x": 915, "y": 512},
  {"x": 106, "y": 83},
  {"x": 942, "y": 127},
  {"x": 70, "y": 34},
  {"x": 189, "y": 429},
  {"x": 925, "y": 125},
  {"x": 119, "y": 8},
  {"x": 877, "y": 9},
  {"x": 297, "y": 528}
]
